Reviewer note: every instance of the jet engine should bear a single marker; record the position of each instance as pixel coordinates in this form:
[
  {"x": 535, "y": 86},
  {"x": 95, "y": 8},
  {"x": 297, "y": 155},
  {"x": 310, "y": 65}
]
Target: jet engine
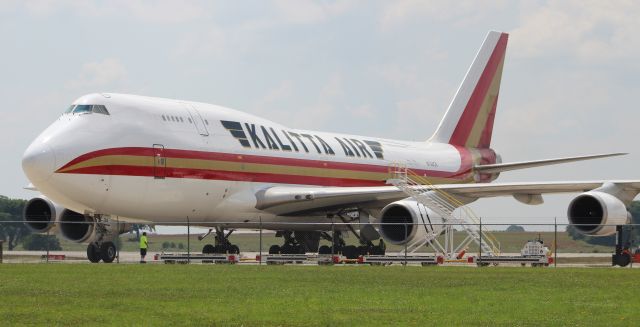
[
  {"x": 40, "y": 214},
  {"x": 405, "y": 221},
  {"x": 76, "y": 227},
  {"x": 597, "y": 213}
]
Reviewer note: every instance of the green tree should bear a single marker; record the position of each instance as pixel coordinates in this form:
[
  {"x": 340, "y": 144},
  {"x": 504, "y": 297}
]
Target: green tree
[
  {"x": 41, "y": 242},
  {"x": 12, "y": 232},
  {"x": 515, "y": 228}
]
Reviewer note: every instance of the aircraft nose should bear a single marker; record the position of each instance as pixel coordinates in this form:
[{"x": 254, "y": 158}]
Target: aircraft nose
[{"x": 38, "y": 162}]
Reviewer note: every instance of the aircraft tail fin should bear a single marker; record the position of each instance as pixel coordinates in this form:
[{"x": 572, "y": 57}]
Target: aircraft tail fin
[{"x": 469, "y": 119}]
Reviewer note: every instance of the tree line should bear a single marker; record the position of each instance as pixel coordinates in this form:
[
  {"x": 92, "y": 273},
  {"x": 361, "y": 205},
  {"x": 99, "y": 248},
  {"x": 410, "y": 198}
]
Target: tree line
[{"x": 12, "y": 232}]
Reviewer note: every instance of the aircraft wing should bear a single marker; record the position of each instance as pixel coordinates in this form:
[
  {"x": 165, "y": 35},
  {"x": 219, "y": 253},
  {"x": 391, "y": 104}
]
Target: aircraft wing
[{"x": 289, "y": 200}]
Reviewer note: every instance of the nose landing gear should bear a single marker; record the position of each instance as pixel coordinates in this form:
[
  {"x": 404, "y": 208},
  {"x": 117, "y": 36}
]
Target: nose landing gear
[{"x": 103, "y": 248}]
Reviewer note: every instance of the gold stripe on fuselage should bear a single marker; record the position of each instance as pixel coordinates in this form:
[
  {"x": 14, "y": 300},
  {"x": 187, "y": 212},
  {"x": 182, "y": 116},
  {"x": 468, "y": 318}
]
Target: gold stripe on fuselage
[{"x": 244, "y": 167}]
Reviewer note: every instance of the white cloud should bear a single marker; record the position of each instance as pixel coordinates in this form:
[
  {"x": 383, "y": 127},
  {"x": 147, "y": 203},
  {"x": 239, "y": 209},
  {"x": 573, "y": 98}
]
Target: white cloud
[
  {"x": 332, "y": 89},
  {"x": 99, "y": 74},
  {"x": 310, "y": 12},
  {"x": 283, "y": 106},
  {"x": 212, "y": 41},
  {"x": 588, "y": 30},
  {"x": 157, "y": 11},
  {"x": 463, "y": 12},
  {"x": 364, "y": 111},
  {"x": 275, "y": 97}
]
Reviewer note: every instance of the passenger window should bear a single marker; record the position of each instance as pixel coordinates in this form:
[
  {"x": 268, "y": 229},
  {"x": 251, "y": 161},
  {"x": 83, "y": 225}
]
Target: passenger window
[
  {"x": 163, "y": 118},
  {"x": 206, "y": 122},
  {"x": 181, "y": 120},
  {"x": 190, "y": 122}
]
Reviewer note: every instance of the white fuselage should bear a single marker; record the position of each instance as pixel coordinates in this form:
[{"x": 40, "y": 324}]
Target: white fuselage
[{"x": 163, "y": 160}]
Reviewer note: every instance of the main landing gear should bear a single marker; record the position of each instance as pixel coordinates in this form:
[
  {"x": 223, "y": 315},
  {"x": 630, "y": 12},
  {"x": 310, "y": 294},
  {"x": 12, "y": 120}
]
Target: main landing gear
[
  {"x": 222, "y": 243},
  {"x": 103, "y": 248},
  {"x": 291, "y": 244},
  {"x": 300, "y": 242},
  {"x": 365, "y": 237},
  {"x": 622, "y": 256},
  {"x": 294, "y": 245},
  {"x": 105, "y": 252},
  {"x": 366, "y": 246}
]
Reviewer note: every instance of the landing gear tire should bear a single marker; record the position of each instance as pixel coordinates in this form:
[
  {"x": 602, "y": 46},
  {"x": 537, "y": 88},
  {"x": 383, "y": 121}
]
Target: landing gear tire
[
  {"x": 234, "y": 249},
  {"x": 274, "y": 249},
  {"x": 623, "y": 260},
  {"x": 208, "y": 249},
  {"x": 93, "y": 253},
  {"x": 108, "y": 252},
  {"x": 350, "y": 251},
  {"x": 325, "y": 249},
  {"x": 288, "y": 249}
]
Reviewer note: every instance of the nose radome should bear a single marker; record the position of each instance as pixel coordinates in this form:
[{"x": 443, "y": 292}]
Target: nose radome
[{"x": 38, "y": 162}]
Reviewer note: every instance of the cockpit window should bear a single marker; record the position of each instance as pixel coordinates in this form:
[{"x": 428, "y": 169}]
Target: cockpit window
[
  {"x": 82, "y": 109},
  {"x": 100, "y": 109},
  {"x": 69, "y": 109},
  {"x": 87, "y": 109}
]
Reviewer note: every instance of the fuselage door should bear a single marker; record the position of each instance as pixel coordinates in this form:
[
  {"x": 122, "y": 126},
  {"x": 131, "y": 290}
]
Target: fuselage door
[
  {"x": 197, "y": 120},
  {"x": 159, "y": 162}
]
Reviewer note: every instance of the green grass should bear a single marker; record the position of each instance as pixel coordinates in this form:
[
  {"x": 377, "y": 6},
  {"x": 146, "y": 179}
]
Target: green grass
[{"x": 155, "y": 295}]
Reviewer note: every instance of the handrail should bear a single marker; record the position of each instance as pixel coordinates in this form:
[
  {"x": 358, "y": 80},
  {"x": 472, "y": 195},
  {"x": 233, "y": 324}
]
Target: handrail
[{"x": 419, "y": 185}]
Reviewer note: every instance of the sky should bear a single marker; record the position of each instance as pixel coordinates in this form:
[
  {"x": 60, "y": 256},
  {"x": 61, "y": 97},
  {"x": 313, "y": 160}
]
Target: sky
[{"x": 378, "y": 68}]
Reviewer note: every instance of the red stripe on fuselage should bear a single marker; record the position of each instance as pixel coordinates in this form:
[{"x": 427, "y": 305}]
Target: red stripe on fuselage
[{"x": 125, "y": 170}]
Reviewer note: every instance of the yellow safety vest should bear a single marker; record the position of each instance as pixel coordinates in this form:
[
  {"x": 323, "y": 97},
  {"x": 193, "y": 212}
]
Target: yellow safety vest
[{"x": 143, "y": 242}]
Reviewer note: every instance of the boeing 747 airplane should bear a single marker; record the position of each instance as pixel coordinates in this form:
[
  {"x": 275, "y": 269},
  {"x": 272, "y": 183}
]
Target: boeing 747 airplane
[{"x": 154, "y": 161}]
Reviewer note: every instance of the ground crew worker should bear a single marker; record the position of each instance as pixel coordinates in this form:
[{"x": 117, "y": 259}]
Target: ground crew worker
[{"x": 144, "y": 244}]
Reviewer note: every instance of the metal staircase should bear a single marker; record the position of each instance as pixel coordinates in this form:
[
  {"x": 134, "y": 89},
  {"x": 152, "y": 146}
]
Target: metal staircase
[{"x": 444, "y": 204}]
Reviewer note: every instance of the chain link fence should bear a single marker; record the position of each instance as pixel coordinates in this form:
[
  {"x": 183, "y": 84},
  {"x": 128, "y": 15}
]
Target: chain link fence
[{"x": 179, "y": 242}]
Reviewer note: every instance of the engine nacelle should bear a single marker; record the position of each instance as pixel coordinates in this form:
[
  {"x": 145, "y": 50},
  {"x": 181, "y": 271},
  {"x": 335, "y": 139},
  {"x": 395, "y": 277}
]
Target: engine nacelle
[
  {"x": 41, "y": 214},
  {"x": 597, "y": 213},
  {"x": 80, "y": 228},
  {"x": 76, "y": 227},
  {"x": 405, "y": 221}
]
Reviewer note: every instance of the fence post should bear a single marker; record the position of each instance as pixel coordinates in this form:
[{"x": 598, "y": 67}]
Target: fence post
[
  {"x": 555, "y": 242},
  {"x": 260, "y": 250},
  {"x": 47, "y": 246},
  {"x": 118, "y": 239},
  {"x": 1, "y": 246},
  {"x": 333, "y": 240},
  {"x": 480, "y": 243},
  {"x": 188, "y": 241},
  {"x": 405, "y": 243}
]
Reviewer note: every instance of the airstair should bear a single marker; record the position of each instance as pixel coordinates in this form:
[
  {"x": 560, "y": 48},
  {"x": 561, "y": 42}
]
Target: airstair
[{"x": 429, "y": 195}]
